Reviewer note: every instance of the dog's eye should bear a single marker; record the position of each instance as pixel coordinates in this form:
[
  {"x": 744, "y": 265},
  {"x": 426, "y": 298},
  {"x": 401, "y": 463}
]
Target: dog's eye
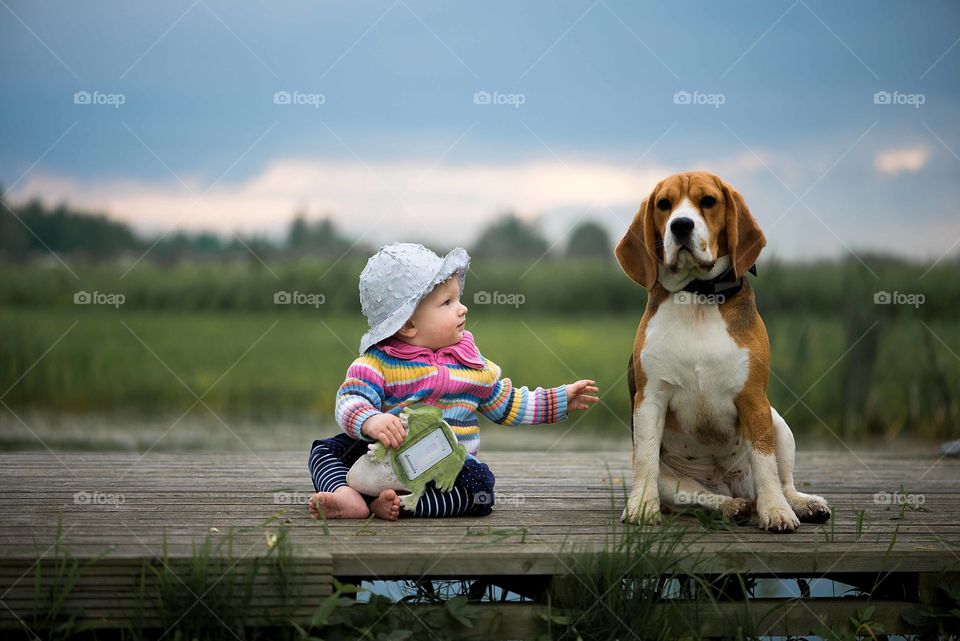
[
  {"x": 707, "y": 202},
  {"x": 663, "y": 204}
]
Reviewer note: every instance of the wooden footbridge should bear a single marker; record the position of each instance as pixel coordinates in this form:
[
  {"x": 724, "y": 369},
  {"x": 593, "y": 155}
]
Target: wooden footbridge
[{"x": 118, "y": 540}]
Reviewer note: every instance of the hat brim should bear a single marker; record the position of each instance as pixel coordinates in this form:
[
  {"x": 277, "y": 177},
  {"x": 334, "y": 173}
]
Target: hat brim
[{"x": 457, "y": 262}]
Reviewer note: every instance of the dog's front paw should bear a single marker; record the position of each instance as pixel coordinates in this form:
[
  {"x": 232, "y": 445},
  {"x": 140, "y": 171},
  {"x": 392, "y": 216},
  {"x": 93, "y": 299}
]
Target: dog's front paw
[
  {"x": 738, "y": 510},
  {"x": 641, "y": 509},
  {"x": 777, "y": 516},
  {"x": 809, "y": 508}
]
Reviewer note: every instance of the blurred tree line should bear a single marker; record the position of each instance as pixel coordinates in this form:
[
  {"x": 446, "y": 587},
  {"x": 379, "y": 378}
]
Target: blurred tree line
[{"x": 30, "y": 230}]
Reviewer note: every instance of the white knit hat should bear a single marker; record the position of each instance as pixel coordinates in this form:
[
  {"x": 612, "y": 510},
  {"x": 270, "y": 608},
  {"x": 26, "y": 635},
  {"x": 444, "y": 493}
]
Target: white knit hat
[{"x": 396, "y": 279}]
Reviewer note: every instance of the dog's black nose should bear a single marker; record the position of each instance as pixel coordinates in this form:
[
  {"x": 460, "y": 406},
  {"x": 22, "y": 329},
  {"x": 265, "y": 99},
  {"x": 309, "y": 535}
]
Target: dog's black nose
[{"x": 681, "y": 227}]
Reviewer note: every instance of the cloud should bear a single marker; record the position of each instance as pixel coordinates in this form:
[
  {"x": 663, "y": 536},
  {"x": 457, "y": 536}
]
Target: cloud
[
  {"x": 377, "y": 200},
  {"x": 898, "y": 161},
  {"x": 359, "y": 195},
  {"x": 447, "y": 205}
]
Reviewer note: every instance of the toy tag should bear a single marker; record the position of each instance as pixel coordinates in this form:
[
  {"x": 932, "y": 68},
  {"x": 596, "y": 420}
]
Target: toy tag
[{"x": 425, "y": 453}]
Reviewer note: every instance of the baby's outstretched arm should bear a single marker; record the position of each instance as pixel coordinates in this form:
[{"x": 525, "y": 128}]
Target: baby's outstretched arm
[{"x": 579, "y": 395}]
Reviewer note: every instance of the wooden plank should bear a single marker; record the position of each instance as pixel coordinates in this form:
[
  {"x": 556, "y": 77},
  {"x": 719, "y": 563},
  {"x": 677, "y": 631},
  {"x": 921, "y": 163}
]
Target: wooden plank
[
  {"x": 558, "y": 503},
  {"x": 789, "y": 617},
  {"x": 113, "y": 592}
]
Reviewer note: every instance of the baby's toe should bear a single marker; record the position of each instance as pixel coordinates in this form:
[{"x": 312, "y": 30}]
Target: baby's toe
[{"x": 314, "y": 505}]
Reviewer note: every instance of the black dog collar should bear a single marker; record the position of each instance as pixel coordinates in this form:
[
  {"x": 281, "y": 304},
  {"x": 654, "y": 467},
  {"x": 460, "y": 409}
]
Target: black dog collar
[{"x": 722, "y": 285}]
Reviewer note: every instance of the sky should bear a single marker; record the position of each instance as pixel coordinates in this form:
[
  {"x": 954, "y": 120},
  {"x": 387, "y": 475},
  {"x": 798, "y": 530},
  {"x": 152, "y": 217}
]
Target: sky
[{"x": 410, "y": 120}]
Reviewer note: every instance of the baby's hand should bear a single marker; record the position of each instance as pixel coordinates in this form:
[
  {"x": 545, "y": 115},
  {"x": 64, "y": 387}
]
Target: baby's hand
[
  {"x": 577, "y": 397},
  {"x": 385, "y": 428}
]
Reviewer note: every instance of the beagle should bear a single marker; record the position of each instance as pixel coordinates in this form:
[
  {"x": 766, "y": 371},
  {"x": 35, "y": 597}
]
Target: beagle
[{"x": 704, "y": 433}]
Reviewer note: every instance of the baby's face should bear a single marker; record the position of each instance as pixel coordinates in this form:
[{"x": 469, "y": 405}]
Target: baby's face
[{"x": 440, "y": 318}]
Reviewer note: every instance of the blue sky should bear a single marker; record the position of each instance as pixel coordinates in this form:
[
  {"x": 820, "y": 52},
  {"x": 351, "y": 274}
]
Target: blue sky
[{"x": 392, "y": 139}]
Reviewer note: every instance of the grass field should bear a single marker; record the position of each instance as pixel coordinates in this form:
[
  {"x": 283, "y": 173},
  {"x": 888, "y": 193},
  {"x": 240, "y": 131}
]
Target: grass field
[
  {"x": 844, "y": 361},
  {"x": 268, "y": 367}
]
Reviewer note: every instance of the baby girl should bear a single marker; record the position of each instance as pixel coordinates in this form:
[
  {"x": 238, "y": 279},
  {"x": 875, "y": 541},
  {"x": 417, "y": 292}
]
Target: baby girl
[{"x": 418, "y": 351}]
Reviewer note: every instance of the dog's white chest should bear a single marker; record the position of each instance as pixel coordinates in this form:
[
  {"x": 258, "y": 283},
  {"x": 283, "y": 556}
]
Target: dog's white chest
[
  {"x": 689, "y": 354},
  {"x": 687, "y": 346}
]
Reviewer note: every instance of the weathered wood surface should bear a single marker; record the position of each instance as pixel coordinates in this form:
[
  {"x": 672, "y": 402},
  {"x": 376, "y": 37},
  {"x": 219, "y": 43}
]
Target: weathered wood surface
[{"x": 123, "y": 507}]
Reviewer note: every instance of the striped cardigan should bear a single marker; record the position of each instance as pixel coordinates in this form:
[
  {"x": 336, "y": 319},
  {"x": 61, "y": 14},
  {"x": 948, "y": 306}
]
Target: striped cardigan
[{"x": 456, "y": 379}]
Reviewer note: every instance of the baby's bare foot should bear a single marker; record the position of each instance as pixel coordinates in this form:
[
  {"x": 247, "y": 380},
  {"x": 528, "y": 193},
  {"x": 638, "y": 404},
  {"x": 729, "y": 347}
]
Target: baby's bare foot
[
  {"x": 345, "y": 503},
  {"x": 386, "y": 506}
]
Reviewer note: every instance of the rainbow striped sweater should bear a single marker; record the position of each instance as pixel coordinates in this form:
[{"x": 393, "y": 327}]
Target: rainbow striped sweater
[{"x": 456, "y": 379}]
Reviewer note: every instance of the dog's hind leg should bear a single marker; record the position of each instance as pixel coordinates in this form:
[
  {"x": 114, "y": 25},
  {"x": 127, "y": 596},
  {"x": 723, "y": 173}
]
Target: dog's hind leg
[
  {"x": 681, "y": 492},
  {"x": 809, "y": 508}
]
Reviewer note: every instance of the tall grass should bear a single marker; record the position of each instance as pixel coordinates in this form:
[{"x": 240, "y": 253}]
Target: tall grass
[
  {"x": 632, "y": 585},
  {"x": 841, "y": 364},
  {"x": 570, "y": 287},
  {"x": 644, "y": 582}
]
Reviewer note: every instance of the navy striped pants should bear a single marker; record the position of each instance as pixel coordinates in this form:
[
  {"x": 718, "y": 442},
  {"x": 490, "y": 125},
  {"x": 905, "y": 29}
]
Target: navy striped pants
[{"x": 472, "y": 494}]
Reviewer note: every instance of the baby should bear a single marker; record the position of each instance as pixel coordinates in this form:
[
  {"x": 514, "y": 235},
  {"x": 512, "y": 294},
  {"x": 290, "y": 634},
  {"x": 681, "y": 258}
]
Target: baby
[{"x": 419, "y": 351}]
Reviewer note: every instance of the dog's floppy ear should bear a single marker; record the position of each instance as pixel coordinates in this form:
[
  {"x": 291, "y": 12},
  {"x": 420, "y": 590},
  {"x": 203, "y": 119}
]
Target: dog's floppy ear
[
  {"x": 637, "y": 250},
  {"x": 744, "y": 237}
]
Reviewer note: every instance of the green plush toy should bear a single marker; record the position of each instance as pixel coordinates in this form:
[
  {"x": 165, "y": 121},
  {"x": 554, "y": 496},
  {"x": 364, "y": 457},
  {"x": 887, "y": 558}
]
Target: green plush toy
[{"x": 430, "y": 452}]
